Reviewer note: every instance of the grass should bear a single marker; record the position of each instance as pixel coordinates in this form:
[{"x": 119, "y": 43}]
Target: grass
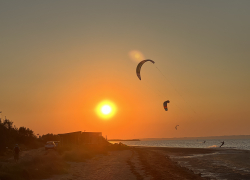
[
  {"x": 35, "y": 167},
  {"x": 40, "y": 164}
]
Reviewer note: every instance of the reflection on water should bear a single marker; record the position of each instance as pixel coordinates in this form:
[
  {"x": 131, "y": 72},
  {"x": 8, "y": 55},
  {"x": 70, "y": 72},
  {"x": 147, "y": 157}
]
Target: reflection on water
[
  {"x": 229, "y": 164},
  {"x": 212, "y": 143}
]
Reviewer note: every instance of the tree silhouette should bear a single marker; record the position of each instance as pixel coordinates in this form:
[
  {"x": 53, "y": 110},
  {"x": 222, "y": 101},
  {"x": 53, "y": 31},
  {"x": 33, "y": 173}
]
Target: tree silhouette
[{"x": 10, "y": 135}]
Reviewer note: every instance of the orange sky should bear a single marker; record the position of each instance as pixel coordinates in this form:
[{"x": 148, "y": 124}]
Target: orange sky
[{"x": 59, "y": 60}]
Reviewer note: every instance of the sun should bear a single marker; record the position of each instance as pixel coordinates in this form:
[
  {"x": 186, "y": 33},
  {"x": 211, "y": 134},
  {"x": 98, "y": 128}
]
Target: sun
[{"x": 106, "y": 109}]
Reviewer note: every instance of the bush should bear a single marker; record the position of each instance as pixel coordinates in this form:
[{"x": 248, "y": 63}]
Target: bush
[{"x": 10, "y": 135}]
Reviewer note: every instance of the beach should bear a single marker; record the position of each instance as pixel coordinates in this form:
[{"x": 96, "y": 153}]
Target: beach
[
  {"x": 162, "y": 163},
  {"x": 134, "y": 163}
]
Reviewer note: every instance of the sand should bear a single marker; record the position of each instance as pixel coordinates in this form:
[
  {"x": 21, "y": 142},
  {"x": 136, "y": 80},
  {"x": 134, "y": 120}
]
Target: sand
[
  {"x": 163, "y": 163},
  {"x": 133, "y": 164}
]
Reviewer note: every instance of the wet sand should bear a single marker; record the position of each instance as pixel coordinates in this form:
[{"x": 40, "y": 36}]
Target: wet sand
[
  {"x": 163, "y": 163},
  {"x": 219, "y": 163}
]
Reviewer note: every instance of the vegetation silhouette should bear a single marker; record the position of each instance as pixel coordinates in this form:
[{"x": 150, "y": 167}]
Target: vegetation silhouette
[
  {"x": 11, "y": 135},
  {"x": 37, "y": 163}
]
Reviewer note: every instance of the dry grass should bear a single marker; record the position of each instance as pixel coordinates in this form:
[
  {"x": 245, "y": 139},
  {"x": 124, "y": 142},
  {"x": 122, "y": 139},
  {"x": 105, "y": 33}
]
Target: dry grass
[
  {"x": 35, "y": 167},
  {"x": 39, "y": 164}
]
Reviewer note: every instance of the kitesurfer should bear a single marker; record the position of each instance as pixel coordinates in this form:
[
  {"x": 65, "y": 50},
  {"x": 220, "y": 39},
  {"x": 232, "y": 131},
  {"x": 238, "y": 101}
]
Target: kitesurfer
[{"x": 222, "y": 143}]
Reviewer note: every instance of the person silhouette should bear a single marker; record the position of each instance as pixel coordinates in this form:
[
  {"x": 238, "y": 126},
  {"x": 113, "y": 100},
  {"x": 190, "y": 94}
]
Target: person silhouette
[
  {"x": 16, "y": 151},
  {"x": 222, "y": 143}
]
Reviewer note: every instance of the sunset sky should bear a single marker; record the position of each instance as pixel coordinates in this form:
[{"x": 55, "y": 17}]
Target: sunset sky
[{"x": 60, "y": 59}]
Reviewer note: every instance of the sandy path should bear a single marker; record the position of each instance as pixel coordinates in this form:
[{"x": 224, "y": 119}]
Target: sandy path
[{"x": 113, "y": 166}]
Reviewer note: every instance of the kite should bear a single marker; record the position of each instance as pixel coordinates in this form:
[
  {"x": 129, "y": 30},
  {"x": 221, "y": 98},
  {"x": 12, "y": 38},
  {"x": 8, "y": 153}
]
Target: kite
[
  {"x": 138, "y": 68},
  {"x": 165, "y": 105}
]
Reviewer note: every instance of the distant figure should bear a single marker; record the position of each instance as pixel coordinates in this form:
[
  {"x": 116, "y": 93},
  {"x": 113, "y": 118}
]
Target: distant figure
[
  {"x": 176, "y": 127},
  {"x": 16, "y": 151},
  {"x": 204, "y": 142},
  {"x": 222, "y": 143}
]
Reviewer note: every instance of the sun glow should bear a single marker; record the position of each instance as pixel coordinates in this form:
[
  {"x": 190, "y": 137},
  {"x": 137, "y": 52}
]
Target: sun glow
[
  {"x": 136, "y": 55},
  {"x": 106, "y": 109}
]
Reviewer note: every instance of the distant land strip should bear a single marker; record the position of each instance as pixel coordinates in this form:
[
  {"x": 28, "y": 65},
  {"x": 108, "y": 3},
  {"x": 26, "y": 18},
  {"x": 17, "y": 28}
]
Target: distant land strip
[
  {"x": 200, "y": 138},
  {"x": 123, "y": 139}
]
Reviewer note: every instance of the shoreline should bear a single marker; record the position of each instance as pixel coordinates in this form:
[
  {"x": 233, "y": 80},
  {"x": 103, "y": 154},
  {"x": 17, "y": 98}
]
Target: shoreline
[
  {"x": 212, "y": 163},
  {"x": 214, "y": 143}
]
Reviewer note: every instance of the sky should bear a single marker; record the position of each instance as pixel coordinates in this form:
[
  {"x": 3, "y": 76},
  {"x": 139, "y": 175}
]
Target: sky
[{"x": 60, "y": 59}]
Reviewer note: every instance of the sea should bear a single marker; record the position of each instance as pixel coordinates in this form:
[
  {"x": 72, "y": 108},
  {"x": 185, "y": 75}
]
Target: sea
[{"x": 243, "y": 144}]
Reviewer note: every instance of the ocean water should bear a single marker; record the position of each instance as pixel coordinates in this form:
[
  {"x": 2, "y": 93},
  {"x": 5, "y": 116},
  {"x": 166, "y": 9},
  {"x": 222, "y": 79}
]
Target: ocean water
[{"x": 243, "y": 144}]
